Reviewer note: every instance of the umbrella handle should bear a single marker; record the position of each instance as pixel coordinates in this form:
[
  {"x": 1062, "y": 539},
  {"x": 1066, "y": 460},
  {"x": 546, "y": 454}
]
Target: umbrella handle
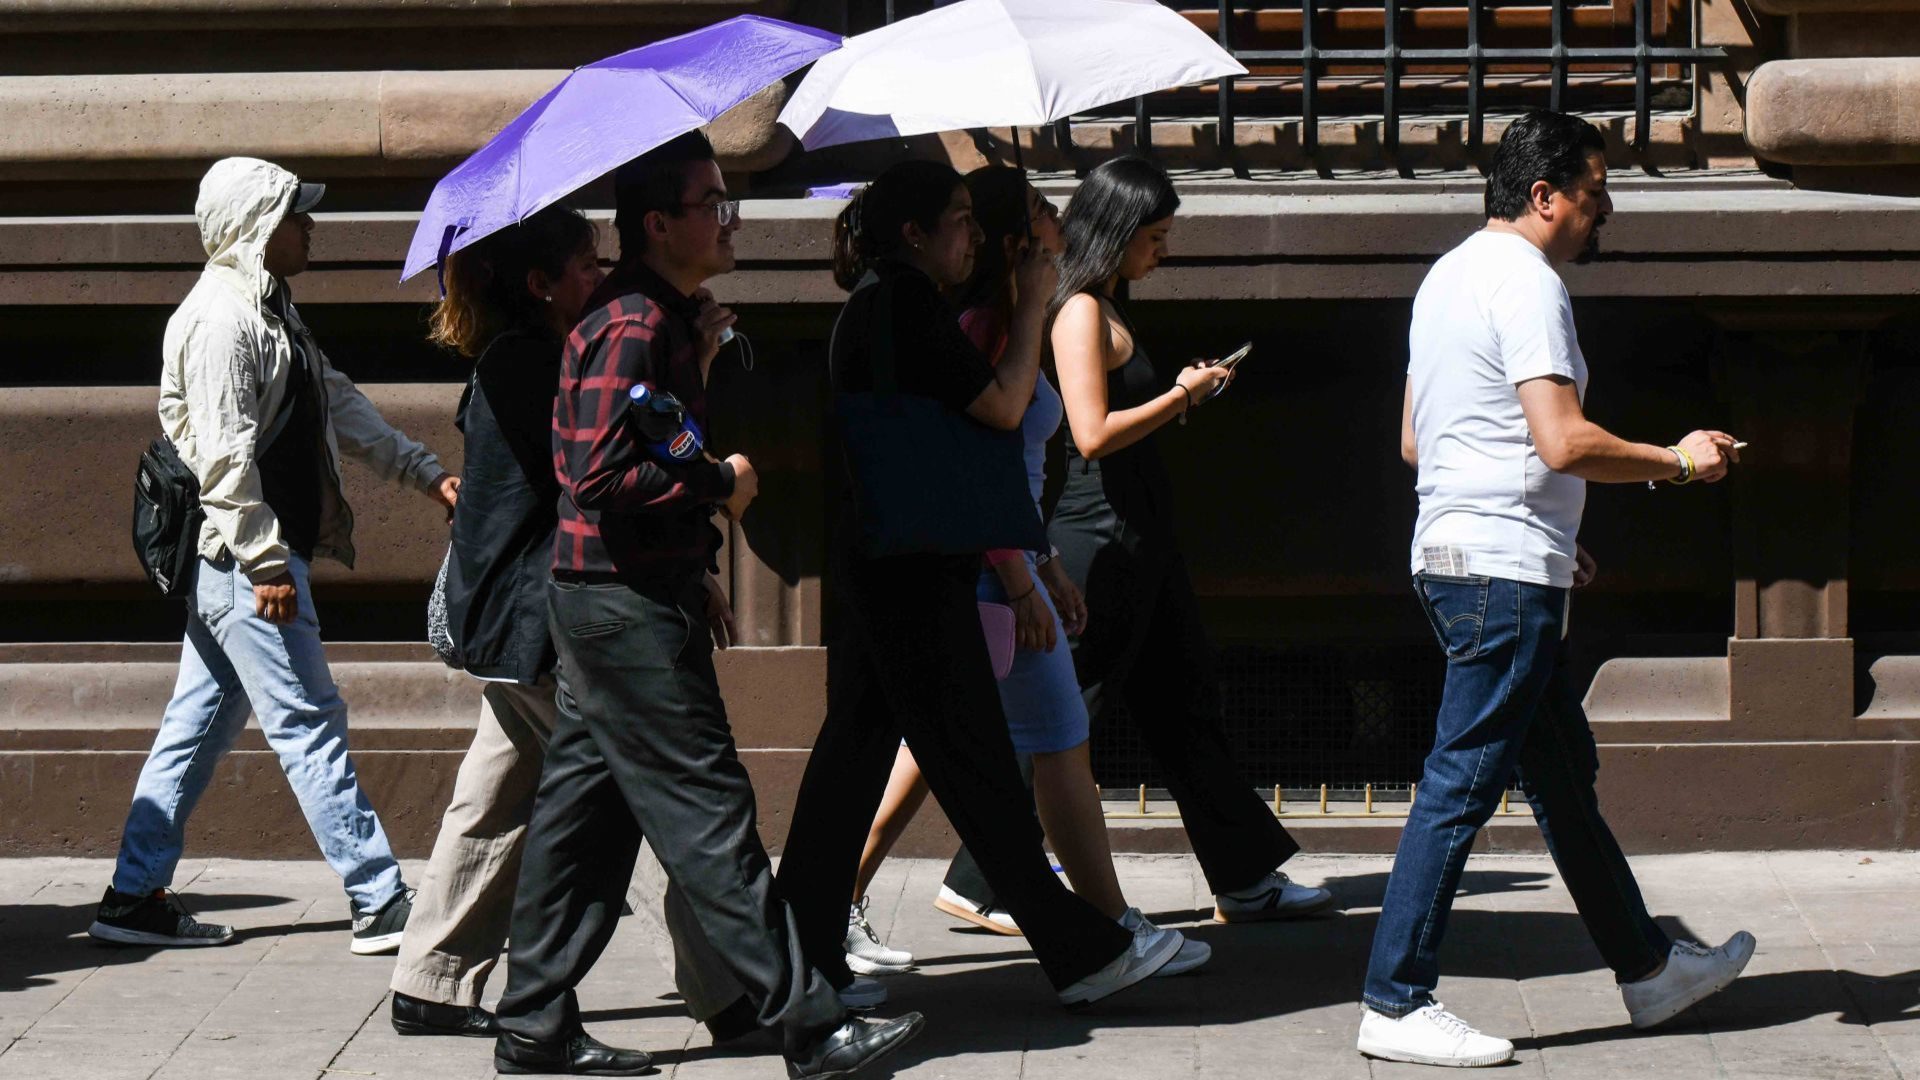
[{"x": 440, "y": 261}]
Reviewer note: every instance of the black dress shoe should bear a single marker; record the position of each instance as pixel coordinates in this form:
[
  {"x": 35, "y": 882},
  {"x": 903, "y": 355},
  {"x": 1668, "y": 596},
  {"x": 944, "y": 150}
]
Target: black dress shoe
[
  {"x": 412, "y": 1016},
  {"x": 854, "y": 1045},
  {"x": 580, "y": 1055}
]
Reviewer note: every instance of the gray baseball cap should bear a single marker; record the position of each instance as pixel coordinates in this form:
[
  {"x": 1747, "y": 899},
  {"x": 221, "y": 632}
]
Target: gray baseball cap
[{"x": 307, "y": 197}]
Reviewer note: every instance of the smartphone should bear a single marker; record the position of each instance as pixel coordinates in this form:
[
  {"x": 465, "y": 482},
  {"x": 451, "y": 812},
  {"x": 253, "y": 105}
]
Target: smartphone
[{"x": 1236, "y": 356}]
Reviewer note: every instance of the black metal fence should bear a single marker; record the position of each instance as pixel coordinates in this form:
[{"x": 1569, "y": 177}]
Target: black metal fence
[
  {"x": 1341, "y": 713},
  {"x": 1667, "y": 54}
]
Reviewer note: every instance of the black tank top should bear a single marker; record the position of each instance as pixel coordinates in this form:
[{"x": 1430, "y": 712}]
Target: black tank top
[{"x": 1133, "y": 481}]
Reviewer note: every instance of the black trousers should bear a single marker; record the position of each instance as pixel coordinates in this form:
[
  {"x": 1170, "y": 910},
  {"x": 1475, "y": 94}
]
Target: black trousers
[
  {"x": 642, "y": 748},
  {"x": 910, "y": 659},
  {"x": 964, "y": 875},
  {"x": 1145, "y": 644}
]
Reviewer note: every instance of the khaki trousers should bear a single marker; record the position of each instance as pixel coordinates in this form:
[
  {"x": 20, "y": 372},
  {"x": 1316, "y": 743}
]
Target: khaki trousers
[{"x": 459, "y": 922}]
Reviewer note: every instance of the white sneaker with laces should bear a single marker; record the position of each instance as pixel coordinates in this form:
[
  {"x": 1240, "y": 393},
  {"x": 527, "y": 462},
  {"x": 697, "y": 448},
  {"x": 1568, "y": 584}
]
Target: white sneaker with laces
[
  {"x": 1429, "y": 1036},
  {"x": 1190, "y": 955},
  {"x": 863, "y": 993},
  {"x": 865, "y": 953},
  {"x": 984, "y": 916},
  {"x": 1276, "y": 896},
  {"x": 1146, "y": 954},
  {"x": 1693, "y": 974}
]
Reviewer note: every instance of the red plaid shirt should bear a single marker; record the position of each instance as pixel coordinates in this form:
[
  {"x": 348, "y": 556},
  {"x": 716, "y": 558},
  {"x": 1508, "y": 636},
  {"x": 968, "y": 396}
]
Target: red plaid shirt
[{"x": 624, "y": 513}]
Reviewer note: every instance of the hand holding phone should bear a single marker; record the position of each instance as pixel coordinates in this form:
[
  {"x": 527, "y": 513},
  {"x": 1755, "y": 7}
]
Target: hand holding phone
[{"x": 1229, "y": 363}]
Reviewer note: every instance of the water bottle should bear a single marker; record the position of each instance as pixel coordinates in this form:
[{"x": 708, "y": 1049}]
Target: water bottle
[{"x": 660, "y": 423}]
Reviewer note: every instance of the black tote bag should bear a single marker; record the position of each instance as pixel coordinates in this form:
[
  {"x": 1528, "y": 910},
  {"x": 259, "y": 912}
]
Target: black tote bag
[{"x": 928, "y": 480}]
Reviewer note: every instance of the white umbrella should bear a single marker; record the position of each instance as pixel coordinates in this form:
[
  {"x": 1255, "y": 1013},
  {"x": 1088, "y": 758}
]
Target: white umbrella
[{"x": 999, "y": 63}]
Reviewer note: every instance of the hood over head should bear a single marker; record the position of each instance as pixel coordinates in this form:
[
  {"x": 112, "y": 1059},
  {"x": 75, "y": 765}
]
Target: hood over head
[{"x": 242, "y": 200}]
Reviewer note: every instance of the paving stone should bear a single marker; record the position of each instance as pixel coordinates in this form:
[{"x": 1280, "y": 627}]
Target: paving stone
[
  {"x": 98, "y": 1055},
  {"x": 1838, "y": 1001},
  {"x": 1750, "y": 1055}
]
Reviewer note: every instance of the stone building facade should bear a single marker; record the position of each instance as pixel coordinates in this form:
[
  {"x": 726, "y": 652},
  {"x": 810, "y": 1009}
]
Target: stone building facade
[{"x": 1754, "y": 648}]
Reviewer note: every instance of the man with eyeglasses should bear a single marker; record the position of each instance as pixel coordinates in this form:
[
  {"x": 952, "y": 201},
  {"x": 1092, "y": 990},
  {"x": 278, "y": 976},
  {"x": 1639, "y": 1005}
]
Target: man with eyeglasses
[{"x": 641, "y": 747}]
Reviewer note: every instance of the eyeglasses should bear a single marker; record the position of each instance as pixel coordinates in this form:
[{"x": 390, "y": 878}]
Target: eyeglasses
[{"x": 726, "y": 212}]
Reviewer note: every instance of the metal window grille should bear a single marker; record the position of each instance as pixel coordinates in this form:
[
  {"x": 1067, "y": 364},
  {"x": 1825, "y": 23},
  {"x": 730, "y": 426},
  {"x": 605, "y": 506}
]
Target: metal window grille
[
  {"x": 1648, "y": 56},
  {"x": 1347, "y": 714}
]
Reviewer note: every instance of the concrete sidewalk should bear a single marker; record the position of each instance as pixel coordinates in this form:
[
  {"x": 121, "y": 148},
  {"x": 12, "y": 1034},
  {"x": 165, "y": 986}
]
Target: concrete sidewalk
[{"x": 1830, "y": 994}]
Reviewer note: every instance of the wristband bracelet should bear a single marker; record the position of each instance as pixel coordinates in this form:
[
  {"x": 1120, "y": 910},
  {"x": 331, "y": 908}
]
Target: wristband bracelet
[
  {"x": 1030, "y": 591},
  {"x": 1686, "y": 466},
  {"x": 1189, "y": 395}
]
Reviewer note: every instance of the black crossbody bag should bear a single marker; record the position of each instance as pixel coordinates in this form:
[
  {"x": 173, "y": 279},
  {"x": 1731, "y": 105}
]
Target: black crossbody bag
[{"x": 166, "y": 507}]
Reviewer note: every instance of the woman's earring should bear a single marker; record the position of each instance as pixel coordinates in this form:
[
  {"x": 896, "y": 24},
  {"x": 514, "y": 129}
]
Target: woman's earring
[{"x": 548, "y": 299}]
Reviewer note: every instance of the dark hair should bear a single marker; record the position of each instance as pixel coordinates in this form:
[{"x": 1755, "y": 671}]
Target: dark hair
[
  {"x": 1000, "y": 206},
  {"x": 487, "y": 280},
  {"x": 1541, "y": 145},
  {"x": 656, "y": 180},
  {"x": 1114, "y": 201},
  {"x": 868, "y": 230}
]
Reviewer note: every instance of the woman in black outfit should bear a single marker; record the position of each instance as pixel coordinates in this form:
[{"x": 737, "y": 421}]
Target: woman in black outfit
[
  {"x": 1144, "y": 642},
  {"x": 909, "y": 656}
]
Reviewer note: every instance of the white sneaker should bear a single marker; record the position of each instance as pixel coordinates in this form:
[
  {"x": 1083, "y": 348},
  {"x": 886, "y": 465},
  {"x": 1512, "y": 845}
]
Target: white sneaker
[
  {"x": 865, "y": 954},
  {"x": 1275, "y": 897},
  {"x": 863, "y": 993},
  {"x": 1191, "y": 953},
  {"x": 1693, "y": 974},
  {"x": 1147, "y": 954},
  {"x": 1429, "y": 1036},
  {"x": 984, "y": 916}
]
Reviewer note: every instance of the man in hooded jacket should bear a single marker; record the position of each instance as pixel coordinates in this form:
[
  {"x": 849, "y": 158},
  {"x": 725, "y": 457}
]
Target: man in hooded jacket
[{"x": 261, "y": 417}]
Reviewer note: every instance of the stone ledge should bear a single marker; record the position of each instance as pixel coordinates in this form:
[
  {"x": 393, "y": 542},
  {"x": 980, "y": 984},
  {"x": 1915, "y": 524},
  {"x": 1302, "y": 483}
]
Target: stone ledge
[
  {"x": 70, "y": 453},
  {"x": 776, "y": 697},
  {"x": 353, "y": 123},
  {"x": 49, "y": 16},
  {"x": 1831, "y": 7},
  {"x": 1855, "y": 111},
  {"x": 1356, "y": 239},
  {"x": 1717, "y": 797}
]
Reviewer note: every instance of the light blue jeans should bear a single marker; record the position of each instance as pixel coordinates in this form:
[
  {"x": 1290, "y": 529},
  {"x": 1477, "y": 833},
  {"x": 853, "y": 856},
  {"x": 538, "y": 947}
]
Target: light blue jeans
[{"x": 233, "y": 663}]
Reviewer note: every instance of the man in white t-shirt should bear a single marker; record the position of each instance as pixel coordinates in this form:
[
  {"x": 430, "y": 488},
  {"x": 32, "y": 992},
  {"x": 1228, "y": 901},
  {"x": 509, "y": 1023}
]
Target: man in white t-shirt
[{"x": 1493, "y": 423}]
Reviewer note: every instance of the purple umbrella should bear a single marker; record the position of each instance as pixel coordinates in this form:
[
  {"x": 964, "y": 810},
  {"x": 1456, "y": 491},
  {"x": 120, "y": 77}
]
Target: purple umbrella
[{"x": 604, "y": 115}]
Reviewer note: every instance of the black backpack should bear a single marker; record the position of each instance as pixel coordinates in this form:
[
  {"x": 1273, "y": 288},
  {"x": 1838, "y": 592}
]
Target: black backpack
[{"x": 166, "y": 510}]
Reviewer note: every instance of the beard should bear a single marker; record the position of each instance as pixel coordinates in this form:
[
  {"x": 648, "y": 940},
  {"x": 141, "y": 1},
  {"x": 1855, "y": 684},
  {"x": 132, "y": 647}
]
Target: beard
[{"x": 1592, "y": 249}]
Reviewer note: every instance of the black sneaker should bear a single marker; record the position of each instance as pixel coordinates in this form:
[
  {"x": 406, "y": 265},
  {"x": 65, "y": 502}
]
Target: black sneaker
[
  {"x": 379, "y": 934},
  {"x": 159, "y": 919}
]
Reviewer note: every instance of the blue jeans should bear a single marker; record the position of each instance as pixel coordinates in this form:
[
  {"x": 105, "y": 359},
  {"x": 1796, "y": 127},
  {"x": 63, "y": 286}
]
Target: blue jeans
[
  {"x": 233, "y": 663},
  {"x": 1508, "y": 703}
]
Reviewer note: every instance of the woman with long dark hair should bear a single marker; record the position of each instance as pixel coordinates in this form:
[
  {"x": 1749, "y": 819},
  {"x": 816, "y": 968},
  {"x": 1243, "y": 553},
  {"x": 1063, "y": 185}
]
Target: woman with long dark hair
[
  {"x": 1040, "y": 694},
  {"x": 1144, "y": 642},
  {"x": 511, "y": 299},
  {"x": 908, "y": 656}
]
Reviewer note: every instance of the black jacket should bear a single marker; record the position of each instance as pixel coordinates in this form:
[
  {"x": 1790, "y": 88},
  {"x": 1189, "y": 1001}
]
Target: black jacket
[{"x": 504, "y": 522}]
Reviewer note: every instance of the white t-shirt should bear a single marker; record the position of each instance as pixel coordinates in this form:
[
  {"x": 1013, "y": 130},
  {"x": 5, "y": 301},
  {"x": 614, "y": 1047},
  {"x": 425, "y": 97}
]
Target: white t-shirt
[{"x": 1490, "y": 315}]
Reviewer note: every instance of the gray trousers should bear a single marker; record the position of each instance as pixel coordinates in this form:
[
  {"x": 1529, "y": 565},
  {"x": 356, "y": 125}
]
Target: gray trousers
[
  {"x": 642, "y": 750},
  {"x": 459, "y": 920}
]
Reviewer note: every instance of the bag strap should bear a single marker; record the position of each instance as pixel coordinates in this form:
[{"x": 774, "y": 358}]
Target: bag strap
[
  {"x": 880, "y": 339},
  {"x": 279, "y": 424}
]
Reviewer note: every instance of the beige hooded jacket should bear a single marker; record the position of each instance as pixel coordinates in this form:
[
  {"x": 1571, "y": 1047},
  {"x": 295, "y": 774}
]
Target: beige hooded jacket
[{"x": 224, "y": 376}]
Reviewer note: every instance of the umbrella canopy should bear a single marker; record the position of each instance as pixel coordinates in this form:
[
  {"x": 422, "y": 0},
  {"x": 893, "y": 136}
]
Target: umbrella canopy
[
  {"x": 604, "y": 115},
  {"x": 999, "y": 63}
]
